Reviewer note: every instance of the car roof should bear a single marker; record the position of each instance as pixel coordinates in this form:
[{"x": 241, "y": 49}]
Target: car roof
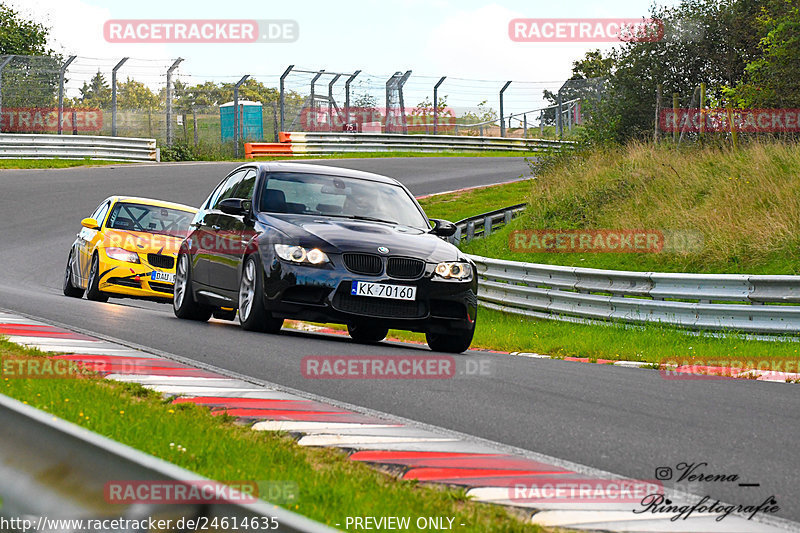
[
  {"x": 281, "y": 166},
  {"x": 153, "y": 202}
]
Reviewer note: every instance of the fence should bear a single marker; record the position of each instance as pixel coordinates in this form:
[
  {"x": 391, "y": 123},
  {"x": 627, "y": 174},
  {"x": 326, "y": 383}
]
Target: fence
[
  {"x": 298, "y": 143},
  {"x": 697, "y": 301},
  {"x": 49, "y": 467},
  {"x": 162, "y": 99},
  {"x": 482, "y": 225},
  {"x": 20, "y": 146},
  {"x": 738, "y": 302}
]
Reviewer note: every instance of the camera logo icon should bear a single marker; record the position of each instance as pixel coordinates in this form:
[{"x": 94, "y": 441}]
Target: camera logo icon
[{"x": 663, "y": 473}]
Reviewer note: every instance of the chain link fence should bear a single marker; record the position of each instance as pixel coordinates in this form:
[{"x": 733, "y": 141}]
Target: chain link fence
[{"x": 166, "y": 100}]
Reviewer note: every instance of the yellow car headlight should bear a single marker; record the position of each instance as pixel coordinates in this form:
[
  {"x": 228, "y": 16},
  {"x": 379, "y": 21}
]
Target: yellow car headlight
[{"x": 121, "y": 254}]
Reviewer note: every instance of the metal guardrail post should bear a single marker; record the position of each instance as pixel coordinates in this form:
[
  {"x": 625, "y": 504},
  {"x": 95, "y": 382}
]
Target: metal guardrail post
[
  {"x": 236, "y": 119},
  {"x": 347, "y": 95},
  {"x": 5, "y": 62},
  {"x": 502, "y": 124},
  {"x": 114, "y": 96},
  {"x": 169, "y": 99},
  {"x": 436, "y": 104},
  {"x": 487, "y": 226},
  {"x": 559, "y": 118},
  {"x": 330, "y": 100},
  {"x": 283, "y": 95},
  {"x": 61, "y": 74},
  {"x": 400, "y": 85},
  {"x": 470, "y": 230}
]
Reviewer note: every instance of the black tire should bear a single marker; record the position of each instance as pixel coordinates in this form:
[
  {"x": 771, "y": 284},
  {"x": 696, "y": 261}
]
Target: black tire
[
  {"x": 450, "y": 343},
  {"x": 366, "y": 334},
  {"x": 93, "y": 291},
  {"x": 69, "y": 289},
  {"x": 253, "y": 315},
  {"x": 183, "y": 303},
  {"x": 224, "y": 314}
]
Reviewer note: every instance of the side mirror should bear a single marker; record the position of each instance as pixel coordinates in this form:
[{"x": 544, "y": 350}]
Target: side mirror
[
  {"x": 90, "y": 223},
  {"x": 442, "y": 228},
  {"x": 235, "y": 206}
]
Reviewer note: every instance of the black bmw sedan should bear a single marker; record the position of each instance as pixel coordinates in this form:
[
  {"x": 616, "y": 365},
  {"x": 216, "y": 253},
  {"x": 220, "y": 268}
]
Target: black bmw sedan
[{"x": 296, "y": 241}]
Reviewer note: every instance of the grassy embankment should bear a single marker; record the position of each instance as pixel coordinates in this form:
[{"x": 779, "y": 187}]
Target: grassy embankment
[
  {"x": 745, "y": 206},
  {"x": 329, "y": 486}
]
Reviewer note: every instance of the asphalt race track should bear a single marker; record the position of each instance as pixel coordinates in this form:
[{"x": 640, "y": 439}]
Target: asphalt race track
[{"x": 623, "y": 420}]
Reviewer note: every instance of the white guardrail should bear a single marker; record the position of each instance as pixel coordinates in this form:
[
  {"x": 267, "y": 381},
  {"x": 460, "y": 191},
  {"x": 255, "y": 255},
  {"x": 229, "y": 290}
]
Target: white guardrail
[
  {"x": 52, "y": 468},
  {"x": 715, "y": 302},
  {"x": 35, "y": 146},
  {"x": 299, "y": 143}
]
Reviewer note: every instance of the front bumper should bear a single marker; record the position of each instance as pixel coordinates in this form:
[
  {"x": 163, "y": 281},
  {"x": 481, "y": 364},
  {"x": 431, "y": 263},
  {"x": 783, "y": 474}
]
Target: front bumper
[
  {"x": 322, "y": 294},
  {"x": 133, "y": 280}
]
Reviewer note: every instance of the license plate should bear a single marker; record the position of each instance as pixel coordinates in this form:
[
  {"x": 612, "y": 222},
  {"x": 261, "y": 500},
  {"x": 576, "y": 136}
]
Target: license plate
[
  {"x": 162, "y": 276},
  {"x": 382, "y": 290}
]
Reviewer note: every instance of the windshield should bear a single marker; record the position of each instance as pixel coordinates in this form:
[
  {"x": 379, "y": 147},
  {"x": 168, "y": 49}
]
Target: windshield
[
  {"x": 335, "y": 196},
  {"x": 151, "y": 219}
]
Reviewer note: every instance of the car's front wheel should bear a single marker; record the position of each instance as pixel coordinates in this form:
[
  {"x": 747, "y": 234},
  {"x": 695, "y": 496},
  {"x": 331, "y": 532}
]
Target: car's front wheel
[
  {"x": 93, "y": 291},
  {"x": 183, "y": 302},
  {"x": 455, "y": 343},
  {"x": 69, "y": 289},
  {"x": 367, "y": 334},
  {"x": 253, "y": 315}
]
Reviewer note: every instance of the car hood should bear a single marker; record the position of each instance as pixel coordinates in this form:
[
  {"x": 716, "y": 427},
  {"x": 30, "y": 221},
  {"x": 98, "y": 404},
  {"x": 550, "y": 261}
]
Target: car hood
[
  {"x": 333, "y": 234},
  {"x": 142, "y": 242}
]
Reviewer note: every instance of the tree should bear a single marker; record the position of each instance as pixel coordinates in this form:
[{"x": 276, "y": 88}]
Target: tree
[
  {"x": 132, "y": 94},
  {"x": 773, "y": 80},
  {"x": 21, "y": 37},
  {"x": 31, "y": 79},
  {"x": 97, "y": 93},
  {"x": 481, "y": 114},
  {"x": 705, "y": 41},
  {"x": 423, "y": 112}
]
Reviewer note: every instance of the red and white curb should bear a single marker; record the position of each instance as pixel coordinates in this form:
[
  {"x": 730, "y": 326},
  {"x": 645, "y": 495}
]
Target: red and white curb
[
  {"x": 488, "y": 471},
  {"x": 672, "y": 371}
]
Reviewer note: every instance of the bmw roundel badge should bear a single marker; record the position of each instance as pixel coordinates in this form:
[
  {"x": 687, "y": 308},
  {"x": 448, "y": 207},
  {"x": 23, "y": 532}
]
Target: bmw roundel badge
[{"x": 383, "y": 249}]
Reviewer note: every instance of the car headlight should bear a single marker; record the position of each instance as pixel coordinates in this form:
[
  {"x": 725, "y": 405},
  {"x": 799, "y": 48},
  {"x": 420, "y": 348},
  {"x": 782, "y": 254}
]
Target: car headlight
[
  {"x": 122, "y": 255},
  {"x": 459, "y": 270},
  {"x": 298, "y": 254}
]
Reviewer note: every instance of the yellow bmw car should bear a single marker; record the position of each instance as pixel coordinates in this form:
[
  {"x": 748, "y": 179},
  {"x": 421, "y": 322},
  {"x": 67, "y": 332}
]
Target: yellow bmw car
[{"x": 126, "y": 249}]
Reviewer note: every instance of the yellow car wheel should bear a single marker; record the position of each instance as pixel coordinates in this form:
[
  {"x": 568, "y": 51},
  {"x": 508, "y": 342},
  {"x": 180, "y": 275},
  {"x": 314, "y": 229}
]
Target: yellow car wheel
[
  {"x": 92, "y": 287},
  {"x": 69, "y": 289}
]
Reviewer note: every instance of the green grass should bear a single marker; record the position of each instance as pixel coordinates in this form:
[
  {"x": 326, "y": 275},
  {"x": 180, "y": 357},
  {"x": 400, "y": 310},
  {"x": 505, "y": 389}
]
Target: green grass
[
  {"x": 744, "y": 205},
  {"x": 651, "y": 343},
  {"x": 330, "y": 487},
  {"x": 52, "y": 163},
  {"x": 460, "y": 205}
]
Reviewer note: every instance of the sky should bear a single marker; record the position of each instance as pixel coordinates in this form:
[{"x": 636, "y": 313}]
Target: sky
[{"x": 466, "y": 40}]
